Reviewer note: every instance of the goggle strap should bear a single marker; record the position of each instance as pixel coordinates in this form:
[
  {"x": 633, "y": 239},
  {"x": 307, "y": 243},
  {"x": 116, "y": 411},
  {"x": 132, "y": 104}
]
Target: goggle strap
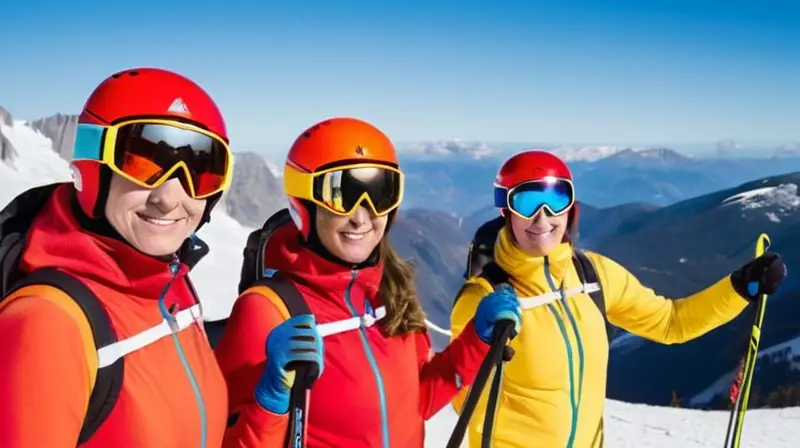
[{"x": 500, "y": 197}]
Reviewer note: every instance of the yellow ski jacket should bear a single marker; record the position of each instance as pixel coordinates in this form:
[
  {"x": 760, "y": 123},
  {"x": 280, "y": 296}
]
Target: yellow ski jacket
[{"x": 554, "y": 389}]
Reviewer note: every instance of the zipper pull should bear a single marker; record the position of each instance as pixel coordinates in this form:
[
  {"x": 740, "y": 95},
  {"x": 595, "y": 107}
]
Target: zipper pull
[{"x": 174, "y": 265}]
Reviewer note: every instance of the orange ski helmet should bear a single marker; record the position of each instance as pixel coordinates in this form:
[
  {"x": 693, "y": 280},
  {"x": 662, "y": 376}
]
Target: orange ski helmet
[
  {"x": 547, "y": 183},
  {"x": 148, "y": 97},
  {"x": 340, "y": 164}
]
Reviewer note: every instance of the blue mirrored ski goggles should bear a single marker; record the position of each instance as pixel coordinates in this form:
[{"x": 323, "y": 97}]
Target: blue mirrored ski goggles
[{"x": 554, "y": 195}]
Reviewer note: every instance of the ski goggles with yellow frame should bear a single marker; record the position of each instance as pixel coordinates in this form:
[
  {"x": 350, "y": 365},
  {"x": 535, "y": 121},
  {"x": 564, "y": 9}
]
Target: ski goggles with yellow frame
[
  {"x": 342, "y": 189},
  {"x": 148, "y": 152}
]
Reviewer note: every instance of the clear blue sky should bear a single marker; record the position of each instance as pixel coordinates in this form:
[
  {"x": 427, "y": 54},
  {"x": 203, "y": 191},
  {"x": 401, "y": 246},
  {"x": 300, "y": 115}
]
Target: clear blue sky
[{"x": 600, "y": 72}]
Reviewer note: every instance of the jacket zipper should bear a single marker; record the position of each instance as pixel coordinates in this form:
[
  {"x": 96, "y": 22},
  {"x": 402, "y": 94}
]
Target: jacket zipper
[
  {"x": 372, "y": 362},
  {"x": 574, "y": 403},
  {"x": 174, "y": 266}
]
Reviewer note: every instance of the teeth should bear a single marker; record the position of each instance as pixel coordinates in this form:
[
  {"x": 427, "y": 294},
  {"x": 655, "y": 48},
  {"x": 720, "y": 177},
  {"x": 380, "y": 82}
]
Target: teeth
[
  {"x": 159, "y": 222},
  {"x": 353, "y": 236}
]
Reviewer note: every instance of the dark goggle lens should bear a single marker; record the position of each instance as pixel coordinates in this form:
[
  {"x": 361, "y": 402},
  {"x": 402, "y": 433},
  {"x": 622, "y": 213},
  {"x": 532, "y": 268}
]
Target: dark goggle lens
[
  {"x": 148, "y": 151},
  {"x": 527, "y": 199},
  {"x": 342, "y": 190}
]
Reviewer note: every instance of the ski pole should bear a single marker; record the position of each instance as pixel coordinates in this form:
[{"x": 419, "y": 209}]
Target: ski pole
[
  {"x": 305, "y": 376},
  {"x": 503, "y": 331},
  {"x": 491, "y": 406},
  {"x": 740, "y": 388}
]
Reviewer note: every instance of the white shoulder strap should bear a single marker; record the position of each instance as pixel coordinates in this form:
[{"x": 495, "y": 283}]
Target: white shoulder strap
[
  {"x": 353, "y": 323},
  {"x": 184, "y": 319}
]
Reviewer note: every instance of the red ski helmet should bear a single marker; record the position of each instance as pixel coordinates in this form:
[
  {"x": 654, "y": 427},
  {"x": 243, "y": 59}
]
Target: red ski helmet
[
  {"x": 340, "y": 164},
  {"x": 146, "y": 94},
  {"x": 536, "y": 166}
]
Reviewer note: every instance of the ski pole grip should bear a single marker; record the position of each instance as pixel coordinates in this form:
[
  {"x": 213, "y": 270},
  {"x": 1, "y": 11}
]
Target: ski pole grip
[
  {"x": 503, "y": 331},
  {"x": 306, "y": 373}
]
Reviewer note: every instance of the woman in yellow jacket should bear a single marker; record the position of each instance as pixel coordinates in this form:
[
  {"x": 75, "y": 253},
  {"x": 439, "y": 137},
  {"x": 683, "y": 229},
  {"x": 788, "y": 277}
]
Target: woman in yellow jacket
[{"x": 553, "y": 390}]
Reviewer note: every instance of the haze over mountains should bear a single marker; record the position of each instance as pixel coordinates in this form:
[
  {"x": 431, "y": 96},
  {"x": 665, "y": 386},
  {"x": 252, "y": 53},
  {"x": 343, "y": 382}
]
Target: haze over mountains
[{"x": 679, "y": 223}]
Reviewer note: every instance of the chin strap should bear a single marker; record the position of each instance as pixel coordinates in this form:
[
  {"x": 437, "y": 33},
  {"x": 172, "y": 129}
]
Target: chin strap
[{"x": 211, "y": 202}]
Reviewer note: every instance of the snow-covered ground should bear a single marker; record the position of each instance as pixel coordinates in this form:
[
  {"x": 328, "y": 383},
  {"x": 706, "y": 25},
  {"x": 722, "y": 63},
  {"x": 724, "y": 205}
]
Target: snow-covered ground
[
  {"x": 216, "y": 277},
  {"x": 641, "y": 426}
]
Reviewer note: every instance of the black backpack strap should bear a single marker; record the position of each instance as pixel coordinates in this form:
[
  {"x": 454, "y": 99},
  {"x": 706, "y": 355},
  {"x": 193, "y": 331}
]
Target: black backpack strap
[
  {"x": 305, "y": 374},
  {"x": 108, "y": 383},
  {"x": 588, "y": 274},
  {"x": 253, "y": 254},
  {"x": 481, "y": 248},
  {"x": 15, "y": 220},
  {"x": 494, "y": 274}
]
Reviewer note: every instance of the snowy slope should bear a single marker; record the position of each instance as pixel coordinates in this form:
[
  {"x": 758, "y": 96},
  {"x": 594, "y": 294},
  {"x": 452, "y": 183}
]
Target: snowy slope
[
  {"x": 641, "y": 426},
  {"x": 216, "y": 277},
  {"x": 35, "y": 165},
  {"x": 275, "y": 170}
]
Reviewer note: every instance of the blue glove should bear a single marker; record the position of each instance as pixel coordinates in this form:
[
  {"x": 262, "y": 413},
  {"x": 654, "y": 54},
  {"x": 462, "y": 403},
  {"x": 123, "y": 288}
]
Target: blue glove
[
  {"x": 295, "y": 340},
  {"x": 502, "y": 304}
]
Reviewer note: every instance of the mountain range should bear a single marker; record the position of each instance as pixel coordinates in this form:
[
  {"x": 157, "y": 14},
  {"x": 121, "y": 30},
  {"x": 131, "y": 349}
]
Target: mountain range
[
  {"x": 680, "y": 249},
  {"x": 678, "y": 223}
]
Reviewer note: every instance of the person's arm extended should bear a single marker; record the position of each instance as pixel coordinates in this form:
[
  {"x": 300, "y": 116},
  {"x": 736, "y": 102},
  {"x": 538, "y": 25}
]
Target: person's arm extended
[
  {"x": 45, "y": 379},
  {"x": 463, "y": 311},
  {"x": 443, "y": 374},
  {"x": 639, "y": 310},
  {"x": 242, "y": 358}
]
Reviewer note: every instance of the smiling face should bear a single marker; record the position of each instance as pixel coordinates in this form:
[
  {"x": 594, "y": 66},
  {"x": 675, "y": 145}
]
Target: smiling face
[
  {"x": 541, "y": 234},
  {"x": 154, "y": 221},
  {"x": 350, "y": 238}
]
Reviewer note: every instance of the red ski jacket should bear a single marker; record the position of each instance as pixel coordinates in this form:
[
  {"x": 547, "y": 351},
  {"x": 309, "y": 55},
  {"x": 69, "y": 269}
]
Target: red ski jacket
[
  {"x": 172, "y": 391},
  {"x": 375, "y": 391}
]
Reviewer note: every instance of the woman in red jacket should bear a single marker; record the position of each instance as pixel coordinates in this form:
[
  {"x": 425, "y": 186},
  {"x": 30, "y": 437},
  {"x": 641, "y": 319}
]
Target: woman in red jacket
[{"x": 381, "y": 380}]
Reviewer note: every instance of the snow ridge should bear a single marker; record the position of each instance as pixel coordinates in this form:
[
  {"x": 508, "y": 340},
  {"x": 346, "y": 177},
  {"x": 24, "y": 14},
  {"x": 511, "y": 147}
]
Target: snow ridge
[{"x": 781, "y": 200}]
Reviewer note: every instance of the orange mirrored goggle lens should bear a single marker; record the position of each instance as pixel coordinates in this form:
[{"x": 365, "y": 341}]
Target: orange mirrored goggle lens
[{"x": 147, "y": 151}]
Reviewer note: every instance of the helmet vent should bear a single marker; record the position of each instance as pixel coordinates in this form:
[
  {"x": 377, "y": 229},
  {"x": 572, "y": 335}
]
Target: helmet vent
[{"x": 133, "y": 73}]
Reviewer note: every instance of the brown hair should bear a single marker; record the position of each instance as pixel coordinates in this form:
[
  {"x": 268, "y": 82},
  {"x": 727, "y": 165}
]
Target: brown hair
[{"x": 397, "y": 292}]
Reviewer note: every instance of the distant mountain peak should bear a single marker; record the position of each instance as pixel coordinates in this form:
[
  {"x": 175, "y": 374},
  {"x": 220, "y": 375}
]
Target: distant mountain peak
[
  {"x": 5, "y": 117},
  {"x": 788, "y": 149},
  {"x": 60, "y": 129},
  {"x": 663, "y": 153},
  {"x": 584, "y": 153},
  {"x": 450, "y": 148},
  {"x": 7, "y": 151},
  {"x": 663, "y": 156},
  {"x": 275, "y": 170},
  {"x": 597, "y": 153}
]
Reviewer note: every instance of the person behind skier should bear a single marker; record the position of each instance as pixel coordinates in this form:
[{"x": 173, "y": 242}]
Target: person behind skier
[
  {"x": 379, "y": 382},
  {"x": 554, "y": 389},
  {"x": 102, "y": 338}
]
